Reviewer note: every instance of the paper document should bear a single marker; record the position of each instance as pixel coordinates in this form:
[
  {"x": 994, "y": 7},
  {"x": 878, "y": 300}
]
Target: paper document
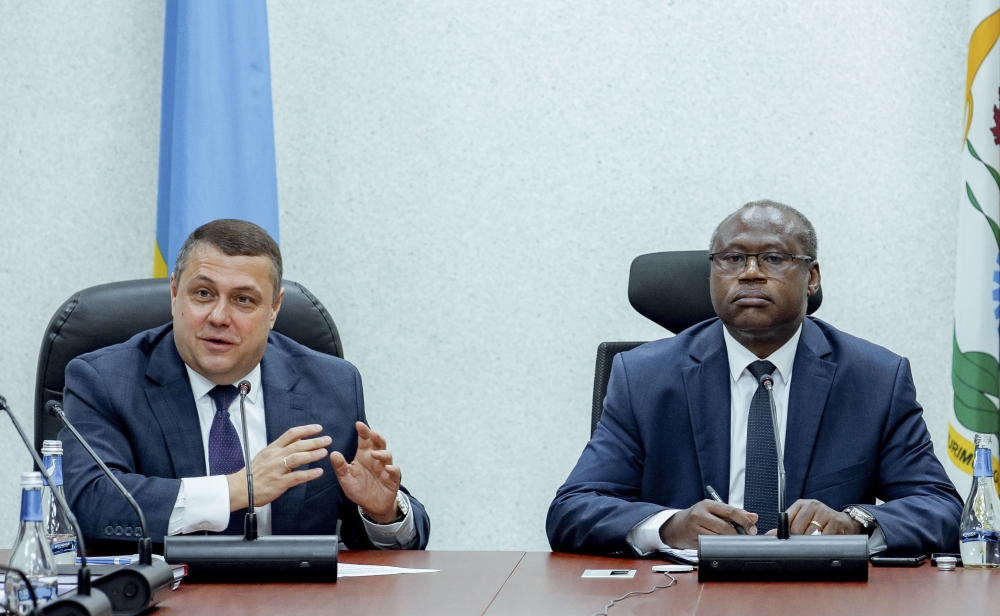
[{"x": 345, "y": 570}]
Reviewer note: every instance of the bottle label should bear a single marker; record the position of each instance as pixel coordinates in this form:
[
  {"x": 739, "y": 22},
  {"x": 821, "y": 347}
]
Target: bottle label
[
  {"x": 982, "y": 465},
  {"x": 31, "y": 505},
  {"x": 42, "y": 593},
  {"x": 61, "y": 547},
  {"x": 982, "y": 535},
  {"x": 53, "y": 466}
]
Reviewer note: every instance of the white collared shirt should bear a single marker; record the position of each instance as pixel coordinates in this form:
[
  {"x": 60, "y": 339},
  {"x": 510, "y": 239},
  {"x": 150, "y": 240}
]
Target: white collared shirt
[{"x": 203, "y": 502}]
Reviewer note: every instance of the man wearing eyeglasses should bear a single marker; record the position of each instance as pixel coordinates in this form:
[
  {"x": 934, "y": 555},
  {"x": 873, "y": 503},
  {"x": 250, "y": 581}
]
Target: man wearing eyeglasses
[{"x": 687, "y": 412}]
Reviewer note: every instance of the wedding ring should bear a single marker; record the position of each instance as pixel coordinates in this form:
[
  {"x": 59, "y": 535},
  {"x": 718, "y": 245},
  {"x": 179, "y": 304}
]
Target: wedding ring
[
  {"x": 818, "y": 525},
  {"x": 285, "y": 462}
]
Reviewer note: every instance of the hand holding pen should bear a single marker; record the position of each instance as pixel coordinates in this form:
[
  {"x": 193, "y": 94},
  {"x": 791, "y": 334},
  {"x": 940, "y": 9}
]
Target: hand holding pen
[{"x": 707, "y": 517}]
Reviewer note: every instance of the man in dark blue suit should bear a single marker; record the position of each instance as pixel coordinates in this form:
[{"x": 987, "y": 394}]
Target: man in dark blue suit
[
  {"x": 684, "y": 412},
  {"x": 162, "y": 412}
]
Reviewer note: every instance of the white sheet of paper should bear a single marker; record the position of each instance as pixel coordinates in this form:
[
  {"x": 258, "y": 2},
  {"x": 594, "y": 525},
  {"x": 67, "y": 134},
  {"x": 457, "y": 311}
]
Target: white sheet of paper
[{"x": 345, "y": 570}]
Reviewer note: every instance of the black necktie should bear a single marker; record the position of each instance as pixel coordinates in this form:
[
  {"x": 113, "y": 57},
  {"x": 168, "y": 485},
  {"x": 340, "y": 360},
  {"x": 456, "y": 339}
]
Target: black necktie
[
  {"x": 225, "y": 454},
  {"x": 761, "y": 495}
]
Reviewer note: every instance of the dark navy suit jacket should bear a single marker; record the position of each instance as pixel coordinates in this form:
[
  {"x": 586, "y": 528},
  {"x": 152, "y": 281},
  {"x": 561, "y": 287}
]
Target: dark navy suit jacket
[
  {"x": 133, "y": 404},
  {"x": 855, "y": 433}
]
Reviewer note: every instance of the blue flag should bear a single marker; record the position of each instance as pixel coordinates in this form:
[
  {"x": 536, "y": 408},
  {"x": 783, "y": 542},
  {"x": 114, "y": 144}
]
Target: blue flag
[{"x": 216, "y": 125}]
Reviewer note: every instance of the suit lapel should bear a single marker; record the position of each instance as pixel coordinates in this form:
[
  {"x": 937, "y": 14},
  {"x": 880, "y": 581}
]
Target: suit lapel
[
  {"x": 283, "y": 409},
  {"x": 812, "y": 377},
  {"x": 708, "y": 398},
  {"x": 168, "y": 392}
]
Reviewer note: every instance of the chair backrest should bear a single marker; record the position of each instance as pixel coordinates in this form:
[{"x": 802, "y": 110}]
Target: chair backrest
[
  {"x": 670, "y": 289},
  {"x": 112, "y": 313}
]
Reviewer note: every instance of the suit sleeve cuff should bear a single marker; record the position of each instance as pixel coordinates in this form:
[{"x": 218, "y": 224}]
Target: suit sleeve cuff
[
  {"x": 202, "y": 504},
  {"x": 401, "y": 535},
  {"x": 645, "y": 536}
]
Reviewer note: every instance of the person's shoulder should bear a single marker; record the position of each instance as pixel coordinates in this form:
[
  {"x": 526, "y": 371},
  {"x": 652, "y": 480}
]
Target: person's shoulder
[
  {"x": 846, "y": 346},
  {"x": 130, "y": 352},
  {"x": 689, "y": 342},
  {"x": 283, "y": 346}
]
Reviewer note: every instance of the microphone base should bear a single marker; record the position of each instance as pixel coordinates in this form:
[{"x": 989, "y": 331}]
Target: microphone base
[
  {"x": 274, "y": 558},
  {"x": 75, "y": 604},
  {"x": 820, "y": 558},
  {"x": 136, "y": 588}
]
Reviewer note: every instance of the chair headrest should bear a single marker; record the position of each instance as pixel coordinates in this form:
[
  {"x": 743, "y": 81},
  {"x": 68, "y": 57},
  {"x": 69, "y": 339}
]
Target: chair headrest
[{"x": 671, "y": 289}]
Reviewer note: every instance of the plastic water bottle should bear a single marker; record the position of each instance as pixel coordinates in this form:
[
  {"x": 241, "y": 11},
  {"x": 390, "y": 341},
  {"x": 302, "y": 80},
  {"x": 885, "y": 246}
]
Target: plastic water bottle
[
  {"x": 58, "y": 530},
  {"x": 31, "y": 553},
  {"x": 981, "y": 516}
]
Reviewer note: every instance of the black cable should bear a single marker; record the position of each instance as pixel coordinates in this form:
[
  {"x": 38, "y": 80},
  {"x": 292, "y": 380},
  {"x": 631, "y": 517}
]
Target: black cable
[
  {"x": 607, "y": 607},
  {"x": 27, "y": 582}
]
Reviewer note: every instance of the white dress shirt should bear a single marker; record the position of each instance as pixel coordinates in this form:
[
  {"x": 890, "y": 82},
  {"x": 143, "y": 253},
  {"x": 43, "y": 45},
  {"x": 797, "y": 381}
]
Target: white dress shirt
[
  {"x": 644, "y": 537},
  {"x": 203, "y": 502}
]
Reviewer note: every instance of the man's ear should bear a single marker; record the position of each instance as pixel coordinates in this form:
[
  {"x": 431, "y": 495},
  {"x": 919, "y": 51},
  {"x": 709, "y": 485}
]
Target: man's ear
[
  {"x": 276, "y": 306},
  {"x": 814, "y": 278}
]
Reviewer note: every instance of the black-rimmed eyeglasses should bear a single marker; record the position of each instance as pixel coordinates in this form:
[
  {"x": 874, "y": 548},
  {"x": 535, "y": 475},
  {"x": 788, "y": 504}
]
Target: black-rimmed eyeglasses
[{"x": 769, "y": 263}]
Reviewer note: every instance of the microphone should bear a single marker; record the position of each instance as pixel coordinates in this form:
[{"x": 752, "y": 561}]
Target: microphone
[
  {"x": 250, "y": 525},
  {"x": 286, "y": 558},
  {"x": 763, "y": 558},
  {"x": 767, "y": 382},
  {"x": 86, "y": 601},
  {"x": 136, "y": 587}
]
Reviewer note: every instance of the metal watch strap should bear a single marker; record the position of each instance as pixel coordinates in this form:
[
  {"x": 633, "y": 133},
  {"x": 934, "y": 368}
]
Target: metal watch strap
[{"x": 865, "y": 519}]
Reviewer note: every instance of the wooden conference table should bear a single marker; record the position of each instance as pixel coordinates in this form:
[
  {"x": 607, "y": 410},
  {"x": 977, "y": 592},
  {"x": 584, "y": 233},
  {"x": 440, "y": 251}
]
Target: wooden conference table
[{"x": 525, "y": 583}]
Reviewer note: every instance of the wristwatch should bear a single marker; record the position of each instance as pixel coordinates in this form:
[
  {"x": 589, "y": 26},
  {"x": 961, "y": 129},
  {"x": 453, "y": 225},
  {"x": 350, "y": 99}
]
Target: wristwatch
[
  {"x": 865, "y": 519},
  {"x": 401, "y": 502}
]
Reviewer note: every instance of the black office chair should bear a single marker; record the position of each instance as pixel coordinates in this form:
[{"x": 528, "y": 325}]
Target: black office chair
[
  {"x": 111, "y": 313},
  {"x": 670, "y": 289}
]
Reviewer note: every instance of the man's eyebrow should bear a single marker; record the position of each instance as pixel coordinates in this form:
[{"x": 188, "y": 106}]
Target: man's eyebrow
[{"x": 240, "y": 289}]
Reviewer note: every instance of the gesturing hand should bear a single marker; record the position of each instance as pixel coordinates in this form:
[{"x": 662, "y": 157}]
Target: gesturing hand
[
  {"x": 272, "y": 474},
  {"x": 705, "y": 518},
  {"x": 371, "y": 480}
]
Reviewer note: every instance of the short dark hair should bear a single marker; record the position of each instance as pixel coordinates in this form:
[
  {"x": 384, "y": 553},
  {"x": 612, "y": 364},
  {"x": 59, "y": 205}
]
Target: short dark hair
[
  {"x": 234, "y": 237},
  {"x": 807, "y": 233}
]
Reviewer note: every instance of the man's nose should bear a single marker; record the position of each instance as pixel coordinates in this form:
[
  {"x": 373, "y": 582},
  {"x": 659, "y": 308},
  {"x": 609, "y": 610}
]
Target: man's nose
[
  {"x": 220, "y": 313},
  {"x": 752, "y": 269}
]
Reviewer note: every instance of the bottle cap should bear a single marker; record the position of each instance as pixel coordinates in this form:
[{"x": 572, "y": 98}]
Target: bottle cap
[
  {"x": 31, "y": 479},
  {"x": 52, "y": 448},
  {"x": 946, "y": 563}
]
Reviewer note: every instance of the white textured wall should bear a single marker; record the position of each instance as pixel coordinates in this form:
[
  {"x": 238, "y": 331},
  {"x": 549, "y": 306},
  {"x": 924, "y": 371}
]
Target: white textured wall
[{"x": 464, "y": 185}]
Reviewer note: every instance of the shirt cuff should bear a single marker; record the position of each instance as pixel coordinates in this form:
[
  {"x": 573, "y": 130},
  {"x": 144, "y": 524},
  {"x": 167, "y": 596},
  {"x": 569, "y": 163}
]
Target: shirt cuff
[
  {"x": 401, "y": 535},
  {"x": 202, "y": 504},
  {"x": 876, "y": 543},
  {"x": 645, "y": 536}
]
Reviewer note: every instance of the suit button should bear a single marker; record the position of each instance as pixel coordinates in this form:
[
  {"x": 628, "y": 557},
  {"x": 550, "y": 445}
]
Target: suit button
[
  {"x": 109, "y": 530},
  {"x": 128, "y": 531},
  {"x": 119, "y": 531},
  {"x": 138, "y": 531}
]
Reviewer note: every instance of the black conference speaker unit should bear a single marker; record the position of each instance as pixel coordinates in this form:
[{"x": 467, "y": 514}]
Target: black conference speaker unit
[
  {"x": 820, "y": 558},
  {"x": 274, "y": 558}
]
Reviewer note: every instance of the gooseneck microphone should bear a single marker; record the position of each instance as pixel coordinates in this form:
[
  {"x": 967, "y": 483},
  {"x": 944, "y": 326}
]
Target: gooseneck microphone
[
  {"x": 767, "y": 382},
  {"x": 136, "y": 587},
  {"x": 222, "y": 558},
  {"x": 765, "y": 558},
  {"x": 250, "y": 525},
  {"x": 86, "y": 601}
]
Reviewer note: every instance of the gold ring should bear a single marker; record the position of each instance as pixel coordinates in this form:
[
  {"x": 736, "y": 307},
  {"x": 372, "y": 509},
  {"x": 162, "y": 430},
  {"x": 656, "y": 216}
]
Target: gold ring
[
  {"x": 818, "y": 525},
  {"x": 285, "y": 462}
]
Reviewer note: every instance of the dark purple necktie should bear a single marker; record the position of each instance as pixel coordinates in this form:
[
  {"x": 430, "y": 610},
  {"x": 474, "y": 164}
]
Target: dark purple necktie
[
  {"x": 225, "y": 454},
  {"x": 761, "y": 496}
]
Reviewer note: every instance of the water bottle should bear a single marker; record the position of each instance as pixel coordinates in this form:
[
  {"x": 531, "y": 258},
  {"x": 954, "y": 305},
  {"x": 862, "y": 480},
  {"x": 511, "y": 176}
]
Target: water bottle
[
  {"x": 31, "y": 553},
  {"x": 981, "y": 517},
  {"x": 58, "y": 530}
]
